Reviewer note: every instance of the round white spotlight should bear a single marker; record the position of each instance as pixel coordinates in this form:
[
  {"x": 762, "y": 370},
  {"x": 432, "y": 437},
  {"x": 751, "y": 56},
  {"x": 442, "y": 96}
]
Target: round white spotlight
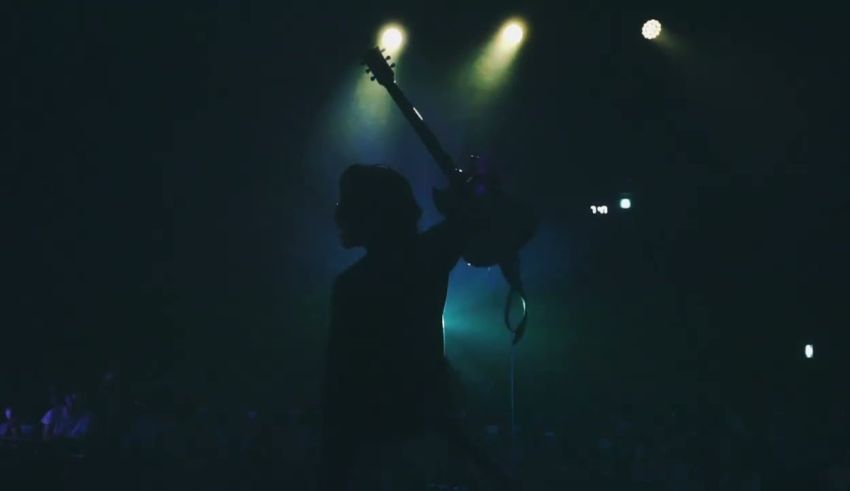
[
  {"x": 651, "y": 29},
  {"x": 625, "y": 203},
  {"x": 392, "y": 38},
  {"x": 512, "y": 33},
  {"x": 810, "y": 351}
]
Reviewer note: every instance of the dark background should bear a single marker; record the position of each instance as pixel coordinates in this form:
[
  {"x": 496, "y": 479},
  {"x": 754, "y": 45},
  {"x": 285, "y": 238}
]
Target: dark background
[{"x": 167, "y": 193}]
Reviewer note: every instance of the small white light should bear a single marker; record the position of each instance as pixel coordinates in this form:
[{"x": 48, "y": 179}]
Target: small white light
[
  {"x": 651, "y": 29},
  {"x": 625, "y": 203},
  {"x": 417, "y": 113},
  {"x": 810, "y": 351}
]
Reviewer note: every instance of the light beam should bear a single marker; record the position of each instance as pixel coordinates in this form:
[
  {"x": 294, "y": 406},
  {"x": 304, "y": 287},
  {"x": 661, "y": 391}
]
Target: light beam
[{"x": 492, "y": 67}]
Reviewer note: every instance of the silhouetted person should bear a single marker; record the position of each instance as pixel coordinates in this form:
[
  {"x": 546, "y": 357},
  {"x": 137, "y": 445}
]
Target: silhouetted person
[
  {"x": 11, "y": 425},
  {"x": 69, "y": 420},
  {"x": 386, "y": 376}
]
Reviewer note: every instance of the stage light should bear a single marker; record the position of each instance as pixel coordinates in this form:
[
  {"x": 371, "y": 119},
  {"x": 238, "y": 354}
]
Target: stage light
[
  {"x": 489, "y": 71},
  {"x": 625, "y": 203},
  {"x": 392, "y": 38},
  {"x": 651, "y": 29},
  {"x": 810, "y": 351},
  {"x": 512, "y": 34}
]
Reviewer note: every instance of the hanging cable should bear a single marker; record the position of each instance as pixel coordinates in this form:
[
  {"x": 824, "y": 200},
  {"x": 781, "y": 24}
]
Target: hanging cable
[{"x": 511, "y": 271}]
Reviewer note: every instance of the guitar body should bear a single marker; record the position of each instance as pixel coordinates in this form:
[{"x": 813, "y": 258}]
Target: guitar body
[{"x": 502, "y": 226}]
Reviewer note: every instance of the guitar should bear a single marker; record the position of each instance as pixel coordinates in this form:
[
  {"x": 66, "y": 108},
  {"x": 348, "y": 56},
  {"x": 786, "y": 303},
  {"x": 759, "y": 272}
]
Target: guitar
[
  {"x": 503, "y": 225},
  {"x": 508, "y": 225}
]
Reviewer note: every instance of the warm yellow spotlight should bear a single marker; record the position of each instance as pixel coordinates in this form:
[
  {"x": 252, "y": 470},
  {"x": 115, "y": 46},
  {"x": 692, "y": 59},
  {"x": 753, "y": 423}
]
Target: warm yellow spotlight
[
  {"x": 651, "y": 29},
  {"x": 512, "y": 33},
  {"x": 392, "y": 38},
  {"x": 492, "y": 66}
]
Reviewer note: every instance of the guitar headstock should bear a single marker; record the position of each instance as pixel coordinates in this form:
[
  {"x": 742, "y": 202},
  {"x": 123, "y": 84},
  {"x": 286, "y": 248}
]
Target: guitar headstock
[{"x": 377, "y": 64}]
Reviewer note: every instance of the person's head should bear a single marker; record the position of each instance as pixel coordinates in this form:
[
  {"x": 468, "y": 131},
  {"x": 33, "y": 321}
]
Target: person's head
[
  {"x": 376, "y": 207},
  {"x": 73, "y": 399},
  {"x": 109, "y": 380}
]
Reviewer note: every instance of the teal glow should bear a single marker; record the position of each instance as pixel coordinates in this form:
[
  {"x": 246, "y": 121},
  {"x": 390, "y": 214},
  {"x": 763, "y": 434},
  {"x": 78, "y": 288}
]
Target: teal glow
[{"x": 359, "y": 121}]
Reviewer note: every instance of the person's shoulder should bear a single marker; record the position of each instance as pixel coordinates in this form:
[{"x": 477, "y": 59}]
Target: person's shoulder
[
  {"x": 442, "y": 232},
  {"x": 352, "y": 271},
  {"x": 49, "y": 416},
  {"x": 434, "y": 230},
  {"x": 442, "y": 242},
  {"x": 350, "y": 274}
]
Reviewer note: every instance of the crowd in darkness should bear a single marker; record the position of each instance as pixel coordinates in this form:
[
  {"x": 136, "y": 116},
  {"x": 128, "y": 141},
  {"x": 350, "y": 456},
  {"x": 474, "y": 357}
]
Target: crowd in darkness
[{"x": 168, "y": 430}]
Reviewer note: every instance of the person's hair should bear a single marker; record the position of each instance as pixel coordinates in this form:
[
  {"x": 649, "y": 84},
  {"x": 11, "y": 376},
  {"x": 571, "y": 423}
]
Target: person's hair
[{"x": 385, "y": 196}]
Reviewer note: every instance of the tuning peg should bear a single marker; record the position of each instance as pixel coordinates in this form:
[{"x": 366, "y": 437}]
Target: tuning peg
[
  {"x": 392, "y": 66},
  {"x": 368, "y": 70},
  {"x": 388, "y": 57},
  {"x": 372, "y": 78},
  {"x": 383, "y": 49}
]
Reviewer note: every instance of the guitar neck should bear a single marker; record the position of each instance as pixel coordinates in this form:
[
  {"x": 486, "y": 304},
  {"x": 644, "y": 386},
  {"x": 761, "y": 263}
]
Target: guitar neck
[{"x": 427, "y": 136}]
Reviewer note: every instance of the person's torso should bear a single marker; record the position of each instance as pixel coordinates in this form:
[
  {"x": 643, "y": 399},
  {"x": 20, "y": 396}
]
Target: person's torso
[
  {"x": 390, "y": 309},
  {"x": 71, "y": 425}
]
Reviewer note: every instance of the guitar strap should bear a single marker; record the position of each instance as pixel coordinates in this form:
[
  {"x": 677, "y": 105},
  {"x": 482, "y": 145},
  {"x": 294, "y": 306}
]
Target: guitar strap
[{"x": 511, "y": 271}]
